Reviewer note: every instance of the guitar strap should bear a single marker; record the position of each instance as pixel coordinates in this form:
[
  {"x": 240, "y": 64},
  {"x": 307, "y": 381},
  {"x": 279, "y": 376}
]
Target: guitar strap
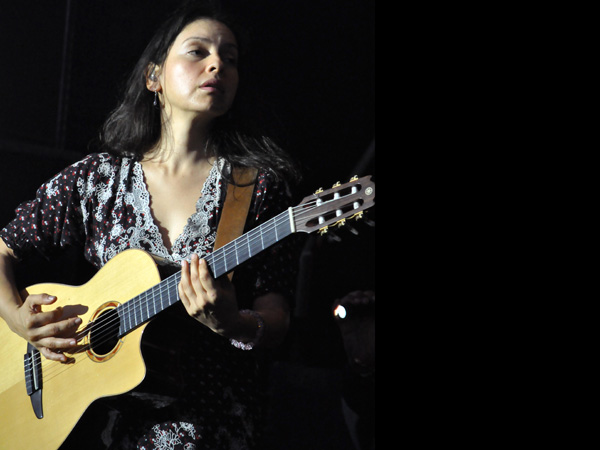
[{"x": 235, "y": 209}]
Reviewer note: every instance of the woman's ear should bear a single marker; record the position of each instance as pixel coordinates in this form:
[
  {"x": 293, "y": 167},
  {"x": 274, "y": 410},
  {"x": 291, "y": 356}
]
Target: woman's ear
[{"x": 152, "y": 81}]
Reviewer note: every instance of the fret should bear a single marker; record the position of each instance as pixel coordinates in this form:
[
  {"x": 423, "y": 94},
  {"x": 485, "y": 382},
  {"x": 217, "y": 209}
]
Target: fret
[
  {"x": 262, "y": 243},
  {"x": 159, "y": 299},
  {"x": 235, "y": 250},
  {"x": 241, "y": 254},
  {"x": 121, "y": 321},
  {"x": 146, "y": 305},
  {"x": 129, "y": 318},
  {"x": 257, "y": 245},
  {"x": 269, "y": 239},
  {"x": 148, "y": 308},
  {"x": 138, "y": 310}
]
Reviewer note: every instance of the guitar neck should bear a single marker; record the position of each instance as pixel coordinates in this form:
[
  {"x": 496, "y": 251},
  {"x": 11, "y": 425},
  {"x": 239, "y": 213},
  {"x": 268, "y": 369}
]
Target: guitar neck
[
  {"x": 146, "y": 305},
  {"x": 317, "y": 212}
]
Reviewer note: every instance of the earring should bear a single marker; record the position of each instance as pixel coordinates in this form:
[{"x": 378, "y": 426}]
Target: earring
[{"x": 155, "y": 98}]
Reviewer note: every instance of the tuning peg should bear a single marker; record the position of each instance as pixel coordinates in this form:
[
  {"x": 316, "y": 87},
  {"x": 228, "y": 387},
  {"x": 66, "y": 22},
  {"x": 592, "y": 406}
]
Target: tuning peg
[
  {"x": 354, "y": 178},
  {"x": 318, "y": 191},
  {"x": 340, "y": 223},
  {"x": 336, "y": 184},
  {"x": 323, "y": 230}
]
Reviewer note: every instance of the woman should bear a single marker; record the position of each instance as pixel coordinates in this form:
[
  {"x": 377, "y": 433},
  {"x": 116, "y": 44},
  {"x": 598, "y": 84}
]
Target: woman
[{"x": 169, "y": 151}]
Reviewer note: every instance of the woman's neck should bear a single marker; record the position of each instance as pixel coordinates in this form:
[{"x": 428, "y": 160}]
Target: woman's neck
[{"x": 181, "y": 148}]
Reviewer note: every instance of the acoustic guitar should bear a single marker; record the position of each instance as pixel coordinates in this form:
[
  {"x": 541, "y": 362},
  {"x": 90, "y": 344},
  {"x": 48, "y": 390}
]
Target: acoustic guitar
[{"x": 41, "y": 401}]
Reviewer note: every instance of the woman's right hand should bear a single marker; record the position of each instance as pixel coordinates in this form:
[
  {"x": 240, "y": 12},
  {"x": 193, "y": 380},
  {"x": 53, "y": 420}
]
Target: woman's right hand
[{"x": 49, "y": 331}]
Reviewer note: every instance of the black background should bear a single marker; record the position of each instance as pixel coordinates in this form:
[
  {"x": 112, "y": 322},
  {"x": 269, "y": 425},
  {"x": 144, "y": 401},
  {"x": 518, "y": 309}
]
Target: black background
[{"x": 64, "y": 63}]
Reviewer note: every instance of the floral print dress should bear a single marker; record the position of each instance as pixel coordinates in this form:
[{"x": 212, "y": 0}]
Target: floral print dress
[{"x": 213, "y": 400}]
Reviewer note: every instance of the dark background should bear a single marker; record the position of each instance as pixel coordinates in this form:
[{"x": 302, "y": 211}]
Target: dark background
[{"x": 314, "y": 61}]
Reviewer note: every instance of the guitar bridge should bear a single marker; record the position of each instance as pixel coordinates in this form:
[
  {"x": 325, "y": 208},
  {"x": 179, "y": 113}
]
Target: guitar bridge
[{"x": 32, "y": 363}]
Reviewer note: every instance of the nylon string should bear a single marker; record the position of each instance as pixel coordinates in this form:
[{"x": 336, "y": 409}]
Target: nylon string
[{"x": 217, "y": 261}]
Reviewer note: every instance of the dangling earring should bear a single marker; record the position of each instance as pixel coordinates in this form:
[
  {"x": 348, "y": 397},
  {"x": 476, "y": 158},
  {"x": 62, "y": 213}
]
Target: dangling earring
[{"x": 155, "y": 98}]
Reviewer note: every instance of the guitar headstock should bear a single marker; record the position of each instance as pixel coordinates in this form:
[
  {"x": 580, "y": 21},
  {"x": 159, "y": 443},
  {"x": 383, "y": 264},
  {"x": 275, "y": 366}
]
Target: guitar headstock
[{"x": 332, "y": 207}]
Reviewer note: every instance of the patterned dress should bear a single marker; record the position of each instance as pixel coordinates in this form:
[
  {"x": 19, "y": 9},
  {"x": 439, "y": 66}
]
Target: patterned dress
[{"x": 200, "y": 392}]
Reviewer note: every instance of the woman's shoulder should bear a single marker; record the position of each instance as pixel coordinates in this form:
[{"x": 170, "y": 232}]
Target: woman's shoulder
[
  {"x": 101, "y": 164},
  {"x": 93, "y": 171},
  {"x": 101, "y": 158}
]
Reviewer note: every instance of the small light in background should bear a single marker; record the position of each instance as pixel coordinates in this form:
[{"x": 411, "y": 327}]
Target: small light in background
[{"x": 340, "y": 312}]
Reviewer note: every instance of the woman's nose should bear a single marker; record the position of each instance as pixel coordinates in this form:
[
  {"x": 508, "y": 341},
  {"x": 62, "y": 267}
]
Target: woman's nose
[{"x": 215, "y": 64}]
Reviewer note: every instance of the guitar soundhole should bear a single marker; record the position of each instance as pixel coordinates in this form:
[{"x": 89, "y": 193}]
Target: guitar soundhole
[{"x": 104, "y": 336}]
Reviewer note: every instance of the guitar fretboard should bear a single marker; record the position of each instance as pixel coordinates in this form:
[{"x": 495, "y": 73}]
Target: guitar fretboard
[{"x": 146, "y": 305}]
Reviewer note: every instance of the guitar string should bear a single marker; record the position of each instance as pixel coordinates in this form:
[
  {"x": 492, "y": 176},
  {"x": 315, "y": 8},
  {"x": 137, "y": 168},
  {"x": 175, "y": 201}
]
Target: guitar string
[
  {"x": 47, "y": 365},
  {"x": 103, "y": 325},
  {"x": 300, "y": 210},
  {"x": 277, "y": 220},
  {"x": 130, "y": 307},
  {"x": 101, "y": 338}
]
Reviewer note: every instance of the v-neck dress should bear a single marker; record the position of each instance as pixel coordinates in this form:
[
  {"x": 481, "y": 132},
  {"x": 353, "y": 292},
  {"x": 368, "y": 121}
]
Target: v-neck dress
[
  {"x": 104, "y": 201},
  {"x": 102, "y": 204}
]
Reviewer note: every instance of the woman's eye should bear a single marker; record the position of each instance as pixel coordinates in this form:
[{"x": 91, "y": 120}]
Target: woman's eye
[
  {"x": 231, "y": 60},
  {"x": 197, "y": 52}
]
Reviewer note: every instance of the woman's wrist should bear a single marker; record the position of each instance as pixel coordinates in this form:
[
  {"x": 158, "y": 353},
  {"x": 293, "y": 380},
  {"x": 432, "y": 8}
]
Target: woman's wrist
[{"x": 247, "y": 340}]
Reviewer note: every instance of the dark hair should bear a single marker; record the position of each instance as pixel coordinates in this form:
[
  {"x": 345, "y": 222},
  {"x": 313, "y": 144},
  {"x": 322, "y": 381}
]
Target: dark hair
[{"x": 134, "y": 126}]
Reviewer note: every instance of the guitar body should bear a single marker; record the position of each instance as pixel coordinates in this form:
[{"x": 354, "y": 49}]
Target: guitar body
[
  {"x": 115, "y": 306},
  {"x": 69, "y": 388}
]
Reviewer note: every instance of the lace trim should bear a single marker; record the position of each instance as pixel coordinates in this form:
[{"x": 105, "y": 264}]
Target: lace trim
[
  {"x": 131, "y": 191},
  {"x": 197, "y": 227},
  {"x": 169, "y": 436}
]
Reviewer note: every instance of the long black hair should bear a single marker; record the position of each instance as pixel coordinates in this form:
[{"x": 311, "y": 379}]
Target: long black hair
[{"x": 134, "y": 126}]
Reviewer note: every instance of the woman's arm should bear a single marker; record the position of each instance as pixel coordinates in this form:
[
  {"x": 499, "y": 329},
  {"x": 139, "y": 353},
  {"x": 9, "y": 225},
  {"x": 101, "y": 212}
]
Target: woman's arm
[
  {"x": 26, "y": 318},
  {"x": 213, "y": 303}
]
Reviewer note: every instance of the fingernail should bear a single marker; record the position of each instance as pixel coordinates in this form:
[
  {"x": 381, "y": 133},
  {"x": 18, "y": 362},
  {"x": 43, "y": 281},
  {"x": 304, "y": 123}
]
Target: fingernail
[{"x": 77, "y": 320}]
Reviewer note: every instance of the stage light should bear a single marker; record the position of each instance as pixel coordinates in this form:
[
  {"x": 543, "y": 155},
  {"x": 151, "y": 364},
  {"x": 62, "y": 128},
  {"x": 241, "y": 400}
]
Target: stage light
[{"x": 340, "y": 312}]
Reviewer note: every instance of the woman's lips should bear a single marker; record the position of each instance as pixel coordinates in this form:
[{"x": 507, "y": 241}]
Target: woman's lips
[{"x": 212, "y": 85}]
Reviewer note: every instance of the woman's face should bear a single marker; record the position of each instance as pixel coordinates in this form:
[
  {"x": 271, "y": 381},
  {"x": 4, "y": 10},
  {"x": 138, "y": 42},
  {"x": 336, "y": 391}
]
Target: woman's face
[{"x": 200, "y": 76}]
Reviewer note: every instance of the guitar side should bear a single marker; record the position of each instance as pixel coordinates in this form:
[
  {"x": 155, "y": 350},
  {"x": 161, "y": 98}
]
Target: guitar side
[{"x": 69, "y": 388}]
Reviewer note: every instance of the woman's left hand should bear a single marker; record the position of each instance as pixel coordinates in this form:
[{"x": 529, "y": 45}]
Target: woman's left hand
[{"x": 211, "y": 302}]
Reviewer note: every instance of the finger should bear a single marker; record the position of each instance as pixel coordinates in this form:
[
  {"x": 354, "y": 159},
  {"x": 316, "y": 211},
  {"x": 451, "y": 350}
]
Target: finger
[
  {"x": 52, "y": 346},
  {"x": 52, "y": 356},
  {"x": 55, "y": 344},
  {"x": 40, "y": 318},
  {"x": 35, "y": 302},
  {"x": 208, "y": 283},
  {"x": 33, "y": 305},
  {"x": 186, "y": 290},
  {"x": 61, "y": 329},
  {"x": 199, "y": 277},
  {"x": 184, "y": 282}
]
